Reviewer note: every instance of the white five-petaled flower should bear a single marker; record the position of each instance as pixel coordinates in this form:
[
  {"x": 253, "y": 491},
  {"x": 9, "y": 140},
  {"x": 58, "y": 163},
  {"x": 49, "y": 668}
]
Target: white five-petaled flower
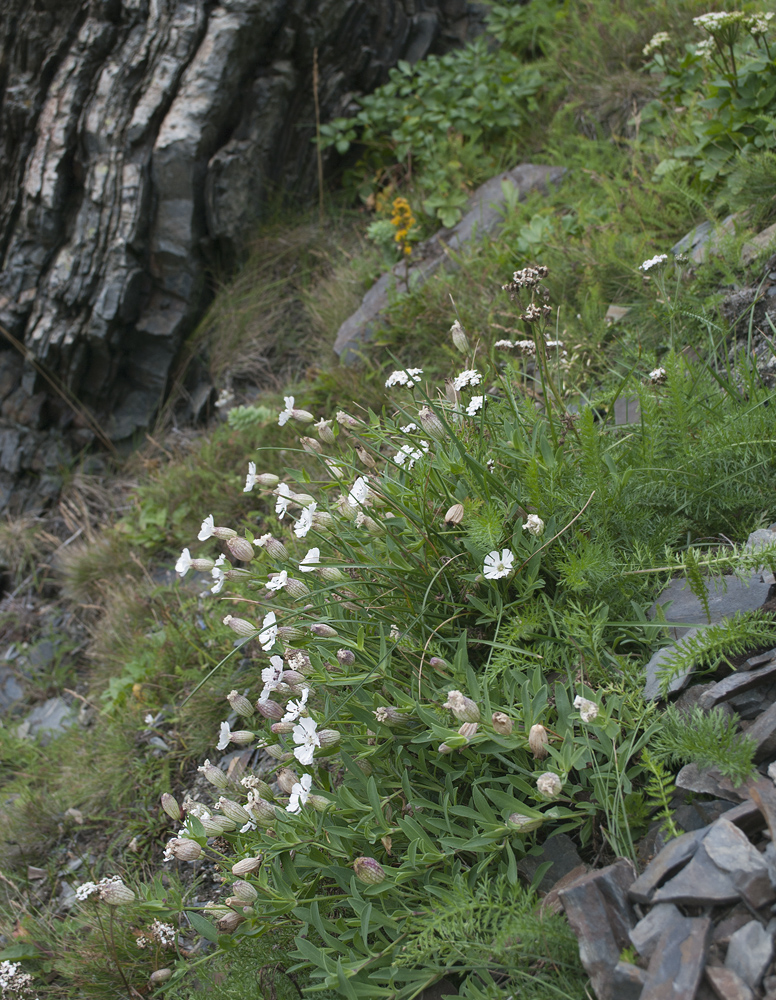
[
  {"x": 359, "y": 492},
  {"x": 408, "y": 377},
  {"x": 310, "y": 561},
  {"x": 278, "y": 581},
  {"x": 496, "y": 566},
  {"x": 250, "y": 479},
  {"x": 305, "y": 521},
  {"x": 660, "y": 258},
  {"x": 587, "y": 709},
  {"x": 269, "y": 631},
  {"x": 219, "y": 576},
  {"x": 305, "y": 735},
  {"x": 206, "y": 531},
  {"x": 300, "y": 793},
  {"x": 183, "y": 565},
  {"x": 285, "y": 415},
  {"x": 470, "y": 377},
  {"x": 296, "y": 708},
  {"x": 283, "y": 494},
  {"x": 224, "y": 736},
  {"x": 270, "y": 676},
  {"x": 534, "y": 525},
  {"x": 475, "y": 405}
]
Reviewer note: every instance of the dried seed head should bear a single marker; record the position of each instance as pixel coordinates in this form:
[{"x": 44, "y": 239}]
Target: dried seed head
[
  {"x": 184, "y": 849},
  {"x": 159, "y": 977},
  {"x": 390, "y": 716},
  {"x": 365, "y": 458},
  {"x": 537, "y": 741},
  {"x": 325, "y": 433},
  {"x": 229, "y": 922},
  {"x": 463, "y": 708},
  {"x": 115, "y": 893},
  {"x": 549, "y": 784},
  {"x": 502, "y": 724},
  {"x": 369, "y": 871},
  {"x": 346, "y": 657},
  {"x": 241, "y": 548}
]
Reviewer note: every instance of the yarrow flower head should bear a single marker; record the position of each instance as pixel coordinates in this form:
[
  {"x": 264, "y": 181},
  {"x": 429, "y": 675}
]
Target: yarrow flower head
[
  {"x": 658, "y": 41},
  {"x": 408, "y": 377},
  {"x": 468, "y": 378},
  {"x": 588, "y": 710},
  {"x": 495, "y": 566},
  {"x": 300, "y": 793},
  {"x": 475, "y": 405},
  {"x": 658, "y": 259},
  {"x": 407, "y": 455},
  {"x": 757, "y": 24},
  {"x": 658, "y": 376}
]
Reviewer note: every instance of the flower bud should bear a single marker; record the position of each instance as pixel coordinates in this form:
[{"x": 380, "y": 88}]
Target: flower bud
[
  {"x": 184, "y": 849},
  {"x": 270, "y": 709},
  {"x": 273, "y": 547},
  {"x": 323, "y": 631},
  {"x": 437, "y": 663},
  {"x": 454, "y": 514},
  {"x": 323, "y": 520},
  {"x": 115, "y": 893},
  {"x": 331, "y": 574},
  {"x": 202, "y": 565},
  {"x": 311, "y": 445},
  {"x": 463, "y": 708},
  {"x": 524, "y": 823},
  {"x": 537, "y": 741},
  {"x": 325, "y": 433},
  {"x": 460, "y": 340},
  {"x": 282, "y": 727},
  {"x": 369, "y": 871},
  {"x": 289, "y": 633},
  {"x": 240, "y": 704},
  {"x": 267, "y": 480},
  {"x": 214, "y": 774},
  {"x": 468, "y": 730},
  {"x": 297, "y": 588},
  {"x": 244, "y": 891},
  {"x": 229, "y": 922},
  {"x": 240, "y": 625},
  {"x": 241, "y": 737},
  {"x": 233, "y": 811},
  {"x": 286, "y": 779},
  {"x": 390, "y": 716},
  {"x": 171, "y": 807},
  {"x": 549, "y": 784},
  {"x": 329, "y": 738},
  {"x": 431, "y": 424},
  {"x": 224, "y": 533},
  {"x": 241, "y": 548},
  {"x": 502, "y": 724},
  {"x": 346, "y": 657},
  {"x": 262, "y": 812},
  {"x": 159, "y": 977},
  {"x": 246, "y": 866}
]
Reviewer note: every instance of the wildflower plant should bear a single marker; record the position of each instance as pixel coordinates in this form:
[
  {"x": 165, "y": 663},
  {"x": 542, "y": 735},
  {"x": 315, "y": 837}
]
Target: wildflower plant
[{"x": 445, "y": 684}]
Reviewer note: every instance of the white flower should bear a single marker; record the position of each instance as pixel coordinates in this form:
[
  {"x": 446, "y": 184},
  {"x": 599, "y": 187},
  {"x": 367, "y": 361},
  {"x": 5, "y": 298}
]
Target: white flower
[
  {"x": 706, "y": 49},
  {"x": 757, "y": 24},
  {"x": 218, "y": 575},
  {"x": 470, "y": 377},
  {"x": 656, "y": 42},
  {"x": 278, "y": 581},
  {"x": 183, "y": 565},
  {"x": 407, "y": 454},
  {"x": 305, "y": 521},
  {"x": 283, "y": 494},
  {"x": 588, "y": 710},
  {"x": 85, "y": 890},
  {"x": 269, "y": 631},
  {"x": 496, "y": 567},
  {"x": 296, "y": 708},
  {"x": 310, "y": 561},
  {"x": 407, "y": 377},
  {"x": 305, "y": 736},
  {"x": 270, "y": 677},
  {"x": 206, "y": 531},
  {"x": 534, "y": 525},
  {"x": 408, "y": 428},
  {"x": 658, "y": 375},
  {"x": 285, "y": 415},
  {"x": 250, "y": 479},
  {"x": 549, "y": 784},
  {"x": 504, "y": 345},
  {"x": 475, "y": 405},
  {"x": 148, "y": 719},
  {"x": 300, "y": 792},
  {"x": 719, "y": 20},
  {"x": 359, "y": 492},
  {"x": 223, "y": 737},
  {"x": 660, "y": 258}
]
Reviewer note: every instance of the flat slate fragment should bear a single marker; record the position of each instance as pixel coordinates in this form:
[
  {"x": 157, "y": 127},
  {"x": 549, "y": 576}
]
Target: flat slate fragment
[
  {"x": 647, "y": 932},
  {"x": 750, "y": 952},
  {"x": 709, "y": 781},
  {"x": 675, "y": 854},
  {"x": 701, "y": 883},
  {"x": 660, "y": 662},
  {"x": 676, "y": 966},
  {"x": 763, "y": 732},
  {"x": 727, "y": 985},
  {"x": 736, "y": 684}
]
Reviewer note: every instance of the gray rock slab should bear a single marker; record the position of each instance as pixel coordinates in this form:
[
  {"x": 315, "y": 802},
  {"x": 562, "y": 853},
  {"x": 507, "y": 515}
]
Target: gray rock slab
[
  {"x": 704, "y": 239},
  {"x": 750, "y": 952},
  {"x": 757, "y": 661},
  {"x": 763, "y": 732},
  {"x": 483, "y": 215},
  {"x": 727, "y": 985},
  {"x": 709, "y": 781},
  {"x": 660, "y": 665},
  {"x": 11, "y": 690},
  {"x": 600, "y": 914},
  {"x": 48, "y": 720},
  {"x": 736, "y": 684},
  {"x": 675, "y": 855},
  {"x": 627, "y": 981},
  {"x": 700, "y": 883},
  {"x": 726, "y": 595},
  {"x": 627, "y": 410},
  {"x": 647, "y": 932},
  {"x": 757, "y": 244},
  {"x": 732, "y": 852},
  {"x": 562, "y": 855},
  {"x": 676, "y": 966}
]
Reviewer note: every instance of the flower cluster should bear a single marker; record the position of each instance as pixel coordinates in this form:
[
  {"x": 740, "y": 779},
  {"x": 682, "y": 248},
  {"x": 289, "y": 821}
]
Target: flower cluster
[
  {"x": 655, "y": 261},
  {"x": 408, "y": 377},
  {"x": 402, "y": 220},
  {"x": 110, "y": 890},
  {"x": 657, "y": 42},
  {"x": 15, "y": 983}
]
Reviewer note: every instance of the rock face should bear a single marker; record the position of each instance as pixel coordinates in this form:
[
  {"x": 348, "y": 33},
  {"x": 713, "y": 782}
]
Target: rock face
[{"x": 139, "y": 141}]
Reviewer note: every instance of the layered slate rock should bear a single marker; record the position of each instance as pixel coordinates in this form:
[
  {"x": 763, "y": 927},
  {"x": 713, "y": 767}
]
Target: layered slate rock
[{"x": 139, "y": 143}]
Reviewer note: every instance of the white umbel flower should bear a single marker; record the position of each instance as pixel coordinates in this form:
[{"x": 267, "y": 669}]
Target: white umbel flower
[
  {"x": 497, "y": 566},
  {"x": 475, "y": 405},
  {"x": 467, "y": 379},
  {"x": 408, "y": 377},
  {"x": 655, "y": 261}
]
